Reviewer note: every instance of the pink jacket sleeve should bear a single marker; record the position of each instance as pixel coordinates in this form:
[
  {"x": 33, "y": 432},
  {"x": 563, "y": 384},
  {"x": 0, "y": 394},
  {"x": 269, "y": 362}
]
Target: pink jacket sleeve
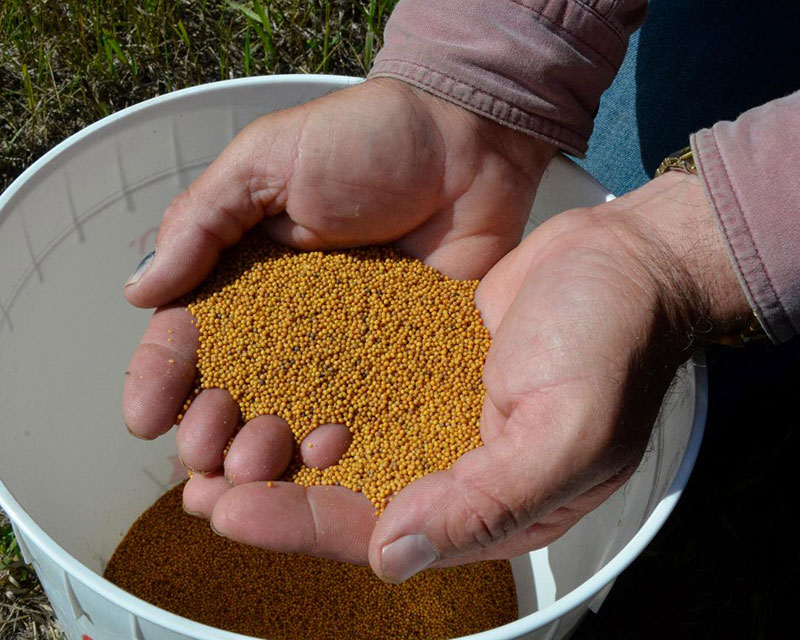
[
  {"x": 538, "y": 66},
  {"x": 750, "y": 170}
]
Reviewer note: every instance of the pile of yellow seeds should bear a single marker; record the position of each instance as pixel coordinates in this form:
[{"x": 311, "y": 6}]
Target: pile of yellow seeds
[{"x": 369, "y": 338}]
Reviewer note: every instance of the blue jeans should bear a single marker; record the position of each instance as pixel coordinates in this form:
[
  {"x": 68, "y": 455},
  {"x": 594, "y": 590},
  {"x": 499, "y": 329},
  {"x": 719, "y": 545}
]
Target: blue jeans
[
  {"x": 690, "y": 65},
  {"x": 694, "y": 63}
]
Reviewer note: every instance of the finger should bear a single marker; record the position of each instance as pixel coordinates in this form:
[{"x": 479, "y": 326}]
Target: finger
[
  {"x": 325, "y": 445},
  {"x": 548, "y": 527},
  {"x": 283, "y": 230},
  {"x": 244, "y": 183},
  {"x": 201, "y": 493},
  {"x": 497, "y": 289},
  {"x": 204, "y": 432},
  {"x": 330, "y": 522},
  {"x": 161, "y": 373},
  {"x": 262, "y": 450},
  {"x": 540, "y": 461}
]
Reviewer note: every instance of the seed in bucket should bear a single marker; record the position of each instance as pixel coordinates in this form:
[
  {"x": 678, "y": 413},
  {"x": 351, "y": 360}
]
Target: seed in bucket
[
  {"x": 175, "y": 561},
  {"x": 368, "y": 338}
]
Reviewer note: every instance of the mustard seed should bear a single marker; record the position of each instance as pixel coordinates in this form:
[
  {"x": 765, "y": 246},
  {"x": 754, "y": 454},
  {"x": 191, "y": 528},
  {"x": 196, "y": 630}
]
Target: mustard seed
[
  {"x": 368, "y": 338},
  {"x": 174, "y": 561}
]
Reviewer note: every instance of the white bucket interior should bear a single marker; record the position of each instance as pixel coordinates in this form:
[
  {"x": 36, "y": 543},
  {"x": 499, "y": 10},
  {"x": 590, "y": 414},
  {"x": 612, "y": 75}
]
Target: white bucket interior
[{"x": 73, "y": 480}]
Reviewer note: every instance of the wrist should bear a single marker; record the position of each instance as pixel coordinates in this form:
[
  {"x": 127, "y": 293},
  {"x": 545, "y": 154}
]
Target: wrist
[
  {"x": 460, "y": 127},
  {"x": 697, "y": 280}
]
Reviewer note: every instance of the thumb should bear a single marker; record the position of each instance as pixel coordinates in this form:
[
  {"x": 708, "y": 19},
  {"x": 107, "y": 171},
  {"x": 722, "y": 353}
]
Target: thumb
[
  {"x": 519, "y": 492},
  {"x": 243, "y": 184}
]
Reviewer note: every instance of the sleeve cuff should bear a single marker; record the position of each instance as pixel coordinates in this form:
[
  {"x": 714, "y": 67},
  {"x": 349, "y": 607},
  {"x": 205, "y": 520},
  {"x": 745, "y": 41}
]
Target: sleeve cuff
[
  {"x": 749, "y": 173},
  {"x": 538, "y": 66}
]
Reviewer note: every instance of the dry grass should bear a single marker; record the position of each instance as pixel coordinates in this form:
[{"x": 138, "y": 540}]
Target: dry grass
[{"x": 25, "y": 613}]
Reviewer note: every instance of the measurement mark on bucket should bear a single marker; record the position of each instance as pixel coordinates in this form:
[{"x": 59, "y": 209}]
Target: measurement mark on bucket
[
  {"x": 164, "y": 487},
  {"x": 178, "y": 471},
  {"x": 101, "y": 560},
  {"x": 5, "y": 319},
  {"x": 130, "y": 204},
  {"x": 29, "y": 245},
  {"x": 73, "y": 211},
  {"x": 180, "y": 160},
  {"x": 233, "y": 125}
]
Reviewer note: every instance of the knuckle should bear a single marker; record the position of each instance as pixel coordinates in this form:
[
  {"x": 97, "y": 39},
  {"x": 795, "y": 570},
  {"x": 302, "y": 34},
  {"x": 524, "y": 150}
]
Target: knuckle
[
  {"x": 179, "y": 204},
  {"x": 486, "y": 520}
]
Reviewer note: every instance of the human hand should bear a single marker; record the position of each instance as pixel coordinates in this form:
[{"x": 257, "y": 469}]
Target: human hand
[
  {"x": 374, "y": 163},
  {"x": 590, "y": 317}
]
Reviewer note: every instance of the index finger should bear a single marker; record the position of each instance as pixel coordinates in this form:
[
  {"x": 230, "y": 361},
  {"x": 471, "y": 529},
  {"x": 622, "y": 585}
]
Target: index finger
[
  {"x": 240, "y": 187},
  {"x": 161, "y": 374}
]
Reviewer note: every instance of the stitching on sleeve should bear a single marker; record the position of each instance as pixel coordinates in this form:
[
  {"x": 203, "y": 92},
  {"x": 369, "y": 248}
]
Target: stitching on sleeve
[
  {"x": 605, "y": 19},
  {"x": 504, "y": 103},
  {"x": 544, "y": 19},
  {"x": 759, "y": 258}
]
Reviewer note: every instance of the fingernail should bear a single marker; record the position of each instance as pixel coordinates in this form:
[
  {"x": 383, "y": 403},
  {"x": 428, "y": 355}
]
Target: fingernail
[
  {"x": 136, "y": 435},
  {"x": 407, "y": 556},
  {"x": 221, "y": 535},
  {"x": 187, "y": 467},
  {"x": 141, "y": 268},
  {"x": 193, "y": 513}
]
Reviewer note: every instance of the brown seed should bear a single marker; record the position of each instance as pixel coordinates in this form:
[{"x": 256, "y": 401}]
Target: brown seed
[{"x": 174, "y": 561}]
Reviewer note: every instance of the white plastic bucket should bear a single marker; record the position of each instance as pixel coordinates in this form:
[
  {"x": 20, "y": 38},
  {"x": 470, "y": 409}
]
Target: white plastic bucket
[{"x": 71, "y": 229}]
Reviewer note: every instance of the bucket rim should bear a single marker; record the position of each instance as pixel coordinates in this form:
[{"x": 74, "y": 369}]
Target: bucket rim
[{"x": 173, "y": 622}]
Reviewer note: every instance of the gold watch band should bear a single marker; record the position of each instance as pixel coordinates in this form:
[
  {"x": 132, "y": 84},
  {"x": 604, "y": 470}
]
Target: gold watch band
[
  {"x": 752, "y": 332},
  {"x": 683, "y": 160}
]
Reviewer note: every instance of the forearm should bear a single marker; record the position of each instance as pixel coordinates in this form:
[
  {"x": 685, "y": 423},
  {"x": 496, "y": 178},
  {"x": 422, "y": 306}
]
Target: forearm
[
  {"x": 749, "y": 169},
  {"x": 537, "y": 66}
]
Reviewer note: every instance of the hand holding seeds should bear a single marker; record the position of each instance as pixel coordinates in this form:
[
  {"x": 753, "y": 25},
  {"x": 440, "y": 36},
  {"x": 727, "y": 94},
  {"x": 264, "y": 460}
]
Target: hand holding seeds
[
  {"x": 378, "y": 162},
  {"x": 375, "y": 163},
  {"x": 589, "y": 320}
]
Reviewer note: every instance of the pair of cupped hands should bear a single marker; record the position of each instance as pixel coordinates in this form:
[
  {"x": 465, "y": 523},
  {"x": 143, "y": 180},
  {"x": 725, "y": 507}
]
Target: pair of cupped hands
[{"x": 590, "y": 316}]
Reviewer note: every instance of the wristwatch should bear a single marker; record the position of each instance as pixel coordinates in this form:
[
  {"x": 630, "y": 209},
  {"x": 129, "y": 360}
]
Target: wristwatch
[{"x": 683, "y": 160}]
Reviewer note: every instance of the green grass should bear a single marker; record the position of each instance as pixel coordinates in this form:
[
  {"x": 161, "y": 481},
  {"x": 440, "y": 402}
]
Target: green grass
[{"x": 65, "y": 64}]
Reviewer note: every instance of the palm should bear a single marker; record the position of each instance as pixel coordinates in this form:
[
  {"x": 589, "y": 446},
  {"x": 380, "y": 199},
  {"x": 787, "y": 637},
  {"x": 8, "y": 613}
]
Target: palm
[
  {"x": 568, "y": 365},
  {"x": 590, "y": 316},
  {"x": 574, "y": 379}
]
